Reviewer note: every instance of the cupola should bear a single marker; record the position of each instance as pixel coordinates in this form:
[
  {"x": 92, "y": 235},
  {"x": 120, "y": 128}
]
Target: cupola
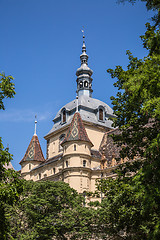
[{"x": 84, "y": 73}]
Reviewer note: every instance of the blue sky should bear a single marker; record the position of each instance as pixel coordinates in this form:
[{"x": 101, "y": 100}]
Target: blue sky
[{"x": 40, "y": 45}]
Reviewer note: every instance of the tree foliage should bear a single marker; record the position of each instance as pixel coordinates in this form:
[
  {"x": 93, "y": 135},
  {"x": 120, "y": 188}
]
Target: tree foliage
[
  {"x": 49, "y": 210},
  {"x": 153, "y": 5},
  {"x": 130, "y": 208},
  {"x": 7, "y": 89},
  {"x": 10, "y": 186}
]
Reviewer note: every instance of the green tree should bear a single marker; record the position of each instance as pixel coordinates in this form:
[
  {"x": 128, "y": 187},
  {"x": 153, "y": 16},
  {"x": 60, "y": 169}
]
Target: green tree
[
  {"x": 6, "y": 91},
  {"x": 50, "y": 210},
  {"x": 131, "y": 209},
  {"x": 153, "y": 5},
  {"x": 9, "y": 180}
]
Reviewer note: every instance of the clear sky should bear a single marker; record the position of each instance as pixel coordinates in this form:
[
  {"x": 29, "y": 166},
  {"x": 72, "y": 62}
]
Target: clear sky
[{"x": 40, "y": 45}]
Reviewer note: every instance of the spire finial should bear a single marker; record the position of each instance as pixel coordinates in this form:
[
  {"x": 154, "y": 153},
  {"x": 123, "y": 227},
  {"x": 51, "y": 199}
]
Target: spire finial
[
  {"x": 84, "y": 73},
  {"x": 84, "y": 46},
  {"x": 35, "y": 134},
  {"x": 83, "y": 33},
  {"x": 77, "y": 103}
]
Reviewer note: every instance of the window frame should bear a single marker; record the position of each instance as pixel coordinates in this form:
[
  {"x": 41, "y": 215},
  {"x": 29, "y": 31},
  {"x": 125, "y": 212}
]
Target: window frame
[
  {"x": 66, "y": 163},
  {"x": 63, "y": 116},
  {"x": 61, "y": 138},
  {"x": 84, "y": 163},
  {"x": 101, "y": 111}
]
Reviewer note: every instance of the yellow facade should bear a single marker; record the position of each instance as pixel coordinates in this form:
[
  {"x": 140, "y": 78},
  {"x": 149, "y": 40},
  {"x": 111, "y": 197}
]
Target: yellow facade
[{"x": 76, "y": 143}]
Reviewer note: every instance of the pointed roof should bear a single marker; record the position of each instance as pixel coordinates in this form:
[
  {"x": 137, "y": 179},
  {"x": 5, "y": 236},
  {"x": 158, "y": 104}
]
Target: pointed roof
[
  {"x": 84, "y": 73},
  {"x": 76, "y": 131},
  {"x": 34, "y": 151},
  {"x": 107, "y": 147}
]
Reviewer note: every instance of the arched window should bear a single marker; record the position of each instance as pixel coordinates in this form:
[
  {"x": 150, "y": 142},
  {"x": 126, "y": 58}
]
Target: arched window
[
  {"x": 64, "y": 116},
  {"x": 74, "y": 147},
  {"x": 80, "y": 84},
  {"x": 39, "y": 175},
  {"x": 85, "y": 84},
  {"x": 101, "y": 114},
  {"x": 61, "y": 138},
  {"x": 84, "y": 163},
  {"x": 66, "y": 163},
  {"x": 54, "y": 170}
]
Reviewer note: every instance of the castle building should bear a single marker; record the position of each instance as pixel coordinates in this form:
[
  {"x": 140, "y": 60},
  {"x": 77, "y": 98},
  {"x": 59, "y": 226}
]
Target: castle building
[{"x": 79, "y": 147}]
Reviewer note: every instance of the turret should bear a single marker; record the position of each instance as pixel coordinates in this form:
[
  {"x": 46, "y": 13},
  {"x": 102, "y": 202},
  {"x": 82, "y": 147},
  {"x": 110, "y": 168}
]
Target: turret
[
  {"x": 77, "y": 155},
  {"x": 33, "y": 156}
]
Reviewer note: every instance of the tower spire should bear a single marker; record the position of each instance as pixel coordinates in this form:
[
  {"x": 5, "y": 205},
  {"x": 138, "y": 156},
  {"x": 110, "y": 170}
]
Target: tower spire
[
  {"x": 84, "y": 73},
  {"x": 84, "y": 46},
  {"x": 76, "y": 103},
  {"x": 35, "y": 128}
]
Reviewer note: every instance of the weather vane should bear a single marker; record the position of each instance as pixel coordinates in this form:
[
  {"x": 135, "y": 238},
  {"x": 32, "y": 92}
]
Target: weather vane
[{"x": 83, "y": 32}]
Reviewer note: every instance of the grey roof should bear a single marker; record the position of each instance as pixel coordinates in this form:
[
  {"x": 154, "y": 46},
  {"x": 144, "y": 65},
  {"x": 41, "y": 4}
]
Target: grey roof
[{"x": 88, "y": 109}]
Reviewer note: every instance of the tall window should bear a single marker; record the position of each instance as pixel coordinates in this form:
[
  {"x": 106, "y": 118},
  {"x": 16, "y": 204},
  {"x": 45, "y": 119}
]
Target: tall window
[
  {"x": 66, "y": 163},
  {"x": 53, "y": 147},
  {"x": 39, "y": 175},
  {"x": 54, "y": 170},
  {"x": 74, "y": 147},
  {"x": 29, "y": 166},
  {"x": 64, "y": 116},
  {"x": 84, "y": 163},
  {"x": 85, "y": 84},
  {"x": 101, "y": 114},
  {"x": 80, "y": 84},
  {"x": 61, "y": 138}
]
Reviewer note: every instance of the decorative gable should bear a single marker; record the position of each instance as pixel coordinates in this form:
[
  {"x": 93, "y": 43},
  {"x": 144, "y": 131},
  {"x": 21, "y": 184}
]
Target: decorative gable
[
  {"x": 34, "y": 151},
  {"x": 76, "y": 131}
]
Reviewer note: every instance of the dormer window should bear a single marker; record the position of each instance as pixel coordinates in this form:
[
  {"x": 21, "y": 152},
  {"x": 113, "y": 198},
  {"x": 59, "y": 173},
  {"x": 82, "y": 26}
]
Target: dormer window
[
  {"x": 63, "y": 116},
  {"x": 101, "y": 114}
]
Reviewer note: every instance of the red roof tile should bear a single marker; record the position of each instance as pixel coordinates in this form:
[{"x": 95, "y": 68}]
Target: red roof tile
[
  {"x": 76, "y": 130},
  {"x": 108, "y": 148},
  {"x": 34, "y": 151}
]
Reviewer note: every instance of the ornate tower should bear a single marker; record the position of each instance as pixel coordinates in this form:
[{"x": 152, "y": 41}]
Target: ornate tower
[
  {"x": 84, "y": 73},
  {"x": 33, "y": 156},
  {"x": 77, "y": 155}
]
